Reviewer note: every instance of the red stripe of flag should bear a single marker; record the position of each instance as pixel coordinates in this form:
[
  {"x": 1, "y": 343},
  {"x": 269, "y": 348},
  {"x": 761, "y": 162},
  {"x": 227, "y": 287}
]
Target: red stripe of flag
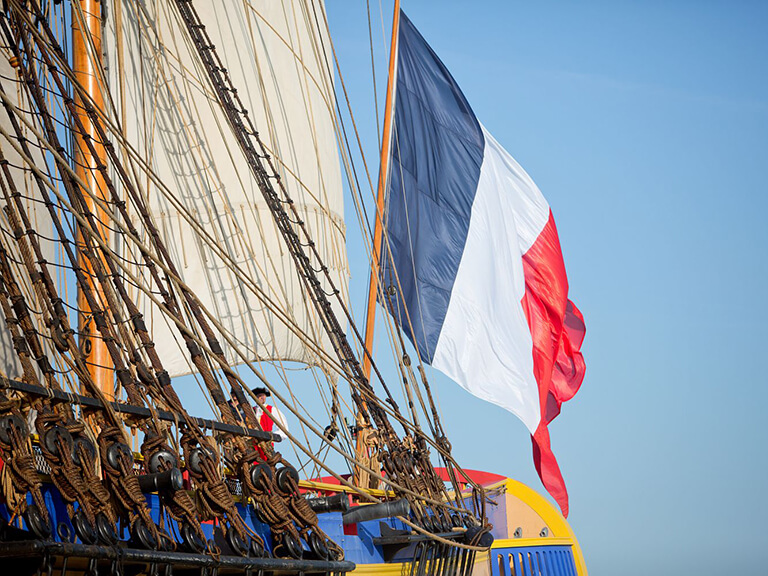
[{"x": 557, "y": 328}]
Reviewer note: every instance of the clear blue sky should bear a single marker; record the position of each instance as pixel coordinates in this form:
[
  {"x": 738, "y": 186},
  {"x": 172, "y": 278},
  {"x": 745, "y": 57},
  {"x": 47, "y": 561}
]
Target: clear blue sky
[{"x": 645, "y": 124}]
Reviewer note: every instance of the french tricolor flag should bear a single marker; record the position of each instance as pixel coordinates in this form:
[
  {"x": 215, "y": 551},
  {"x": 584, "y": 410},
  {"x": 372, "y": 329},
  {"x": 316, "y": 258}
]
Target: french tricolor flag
[{"x": 480, "y": 284}]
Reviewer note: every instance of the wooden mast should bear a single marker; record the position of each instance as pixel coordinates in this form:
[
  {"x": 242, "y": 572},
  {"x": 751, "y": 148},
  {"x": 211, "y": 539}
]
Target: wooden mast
[
  {"x": 361, "y": 446},
  {"x": 86, "y": 53}
]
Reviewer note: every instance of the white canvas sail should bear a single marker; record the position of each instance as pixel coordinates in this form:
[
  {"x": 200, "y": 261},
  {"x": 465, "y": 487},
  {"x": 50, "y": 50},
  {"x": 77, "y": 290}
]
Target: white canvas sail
[
  {"x": 36, "y": 211},
  {"x": 276, "y": 54}
]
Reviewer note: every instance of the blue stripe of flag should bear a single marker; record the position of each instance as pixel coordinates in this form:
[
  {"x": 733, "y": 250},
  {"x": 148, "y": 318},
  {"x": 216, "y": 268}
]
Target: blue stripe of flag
[{"x": 437, "y": 151}]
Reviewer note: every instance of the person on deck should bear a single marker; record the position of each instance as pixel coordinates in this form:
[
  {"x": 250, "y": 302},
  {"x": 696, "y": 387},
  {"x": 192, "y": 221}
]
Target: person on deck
[
  {"x": 267, "y": 424},
  {"x": 236, "y": 409}
]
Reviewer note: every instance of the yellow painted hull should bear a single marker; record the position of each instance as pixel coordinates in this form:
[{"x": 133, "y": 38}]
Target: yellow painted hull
[{"x": 542, "y": 527}]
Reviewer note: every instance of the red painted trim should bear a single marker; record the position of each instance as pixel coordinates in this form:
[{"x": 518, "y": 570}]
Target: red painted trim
[{"x": 477, "y": 476}]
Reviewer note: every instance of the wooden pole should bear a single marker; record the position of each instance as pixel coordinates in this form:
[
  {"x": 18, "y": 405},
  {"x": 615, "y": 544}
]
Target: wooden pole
[
  {"x": 378, "y": 230},
  {"x": 86, "y": 53}
]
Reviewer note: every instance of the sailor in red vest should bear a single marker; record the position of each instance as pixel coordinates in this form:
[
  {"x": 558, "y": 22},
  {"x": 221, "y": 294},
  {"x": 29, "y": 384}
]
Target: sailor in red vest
[{"x": 267, "y": 423}]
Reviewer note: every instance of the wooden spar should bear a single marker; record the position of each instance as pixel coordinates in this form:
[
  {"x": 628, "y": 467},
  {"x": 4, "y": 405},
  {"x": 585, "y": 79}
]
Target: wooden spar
[
  {"x": 378, "y": 230},
  {"x": 86, "y": 49}
]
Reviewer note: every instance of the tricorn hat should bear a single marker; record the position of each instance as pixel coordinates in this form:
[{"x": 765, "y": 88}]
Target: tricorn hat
[{"x": 261, "y": 390}]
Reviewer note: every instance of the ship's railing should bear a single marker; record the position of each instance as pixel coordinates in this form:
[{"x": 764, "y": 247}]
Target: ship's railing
[
  {"x": 533, "y": 557},
  {"x": 328, "y": 488}
]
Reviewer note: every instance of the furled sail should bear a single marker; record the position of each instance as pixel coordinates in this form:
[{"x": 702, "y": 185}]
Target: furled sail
[
  {"x": 277, "y": 54},
  {"x": 21, "y": 177}
]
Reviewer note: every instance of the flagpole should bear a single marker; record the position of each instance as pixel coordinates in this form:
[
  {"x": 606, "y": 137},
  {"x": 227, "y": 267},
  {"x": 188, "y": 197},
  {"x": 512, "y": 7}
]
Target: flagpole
[
  {"x": 378, "y": 229},
  {"x": 86, "y": 48}
]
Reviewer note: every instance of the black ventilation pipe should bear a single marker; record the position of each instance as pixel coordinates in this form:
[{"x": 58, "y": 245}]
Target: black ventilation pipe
[
  {"x": 171, "y": 480},
  {"x": 337, "y": 503},
  {"x": 375, "y": 511}
]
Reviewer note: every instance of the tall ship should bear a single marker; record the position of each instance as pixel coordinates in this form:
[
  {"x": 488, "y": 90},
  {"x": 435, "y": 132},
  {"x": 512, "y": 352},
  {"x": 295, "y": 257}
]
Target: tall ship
[{"x": 173, "y": 267}]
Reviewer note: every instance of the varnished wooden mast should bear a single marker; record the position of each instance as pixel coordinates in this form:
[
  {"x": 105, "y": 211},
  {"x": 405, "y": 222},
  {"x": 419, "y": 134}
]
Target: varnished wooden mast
[
  {"x": 373, "y": 288},
  {"x": 86, "y": 52},
  {"x": 386, "y": 145}
]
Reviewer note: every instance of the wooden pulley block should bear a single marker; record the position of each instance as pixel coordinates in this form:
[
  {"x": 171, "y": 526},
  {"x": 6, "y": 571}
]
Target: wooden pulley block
[
  {"x": 54, "y": 437},
  {"x": 116, "y": 452},
  {"x": 10, "y": 422},
  {"x": 161, "y": 460},
  {"x": 283, "y": 478},
  {"x": 196, "y": 458},
  {"x": 82, "y": 443},
  {"x": 261, "y": 473}
]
